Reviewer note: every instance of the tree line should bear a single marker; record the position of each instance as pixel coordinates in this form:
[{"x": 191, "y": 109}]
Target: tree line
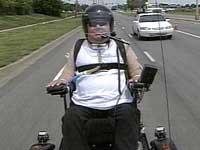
[
  {"x": 132, "y": 4},
  {"x": 48, "y": 7},
  {"x": 25, "y": 7}
]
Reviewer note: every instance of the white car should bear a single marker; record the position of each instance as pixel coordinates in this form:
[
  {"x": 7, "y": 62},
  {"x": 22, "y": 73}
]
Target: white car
[{"x": 152, "y": 25}]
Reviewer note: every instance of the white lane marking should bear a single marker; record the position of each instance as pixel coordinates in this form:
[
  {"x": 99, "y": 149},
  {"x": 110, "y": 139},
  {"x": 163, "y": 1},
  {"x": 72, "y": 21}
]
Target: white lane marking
[
  {"x": 130, "y": 36},
  {"x": 149, "y": 56},
  {"x": 141, "y": 67},
  {"x": 67, "y": 55},
  {"x": 195, "y": 23},
  {"x": 188, "y": 34},
  {"x": 59, "y": 74}
]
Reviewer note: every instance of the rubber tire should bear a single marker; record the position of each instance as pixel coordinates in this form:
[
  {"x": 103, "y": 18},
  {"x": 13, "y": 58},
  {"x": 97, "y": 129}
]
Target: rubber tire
[
  {"x": 169, "y": 37},
  {"x": 144, "y": 143},
  {"x": 133, "y": 32},
  {"x": 139, "y": 36}
]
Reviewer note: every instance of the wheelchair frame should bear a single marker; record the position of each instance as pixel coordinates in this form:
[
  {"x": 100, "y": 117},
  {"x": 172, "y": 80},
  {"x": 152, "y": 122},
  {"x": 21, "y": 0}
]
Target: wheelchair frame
[{"x": 161, "y": 142}]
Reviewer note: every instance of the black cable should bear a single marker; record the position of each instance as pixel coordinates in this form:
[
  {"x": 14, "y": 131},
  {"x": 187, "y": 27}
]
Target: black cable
[
  {"x": 165, "y": 78},
  {"x": 119, "y": 77},
  {"x": 166, "y": 90},
  {"x": 119, "y": 90}
]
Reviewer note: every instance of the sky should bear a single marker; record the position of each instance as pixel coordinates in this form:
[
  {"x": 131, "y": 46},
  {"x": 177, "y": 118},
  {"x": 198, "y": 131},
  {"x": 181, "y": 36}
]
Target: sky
[
  {"x": 124, "y": 1},
  {"x": 175, "y": 1}
]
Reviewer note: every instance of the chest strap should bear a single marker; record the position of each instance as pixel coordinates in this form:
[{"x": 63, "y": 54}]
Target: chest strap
[{"x": 102, "y": 66}]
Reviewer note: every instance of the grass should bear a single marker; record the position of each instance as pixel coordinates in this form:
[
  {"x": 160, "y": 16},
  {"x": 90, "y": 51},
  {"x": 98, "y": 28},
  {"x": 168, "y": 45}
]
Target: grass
[
  {"x": 128, "y": 13},
  {"x": 182, "y": 11},
  {"x": 11, "y": 21},
  {"x": 18, "y": 43}
]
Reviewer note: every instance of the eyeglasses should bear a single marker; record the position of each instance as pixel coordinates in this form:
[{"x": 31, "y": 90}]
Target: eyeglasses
[{"x": 94, "y": 24}]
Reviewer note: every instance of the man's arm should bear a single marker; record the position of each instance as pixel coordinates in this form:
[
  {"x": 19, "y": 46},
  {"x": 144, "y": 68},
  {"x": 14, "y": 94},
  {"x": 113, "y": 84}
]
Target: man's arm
[
  {"x": 68, "y": 71},
  {"x": 67, "y": 74},
  {"x": 134, "y": 67}
]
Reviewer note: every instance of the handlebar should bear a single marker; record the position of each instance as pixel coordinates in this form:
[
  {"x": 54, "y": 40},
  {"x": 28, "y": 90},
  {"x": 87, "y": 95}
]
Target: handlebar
[
  {"x": 146, "y": 80},
  {"x": 138, "y": 86},
  {"x": 58, "y": 90},
  {"x": 64, "y": 89}
]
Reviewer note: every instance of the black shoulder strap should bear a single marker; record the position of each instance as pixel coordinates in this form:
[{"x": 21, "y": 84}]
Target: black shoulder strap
[
  {"x": 121, "y": 47},
  {"x": 102, "y": 66},
  {"x": 77, "y": 47}
]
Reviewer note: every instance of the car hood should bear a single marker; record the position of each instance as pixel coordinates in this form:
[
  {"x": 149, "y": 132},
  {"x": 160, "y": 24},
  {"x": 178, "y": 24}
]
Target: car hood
[{"x": 154, "y": 24}]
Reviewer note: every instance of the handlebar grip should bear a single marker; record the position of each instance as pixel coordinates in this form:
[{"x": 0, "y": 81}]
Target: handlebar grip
[
  {"x": 58, "y": 90},
  {"x": 136, "y": 85}
]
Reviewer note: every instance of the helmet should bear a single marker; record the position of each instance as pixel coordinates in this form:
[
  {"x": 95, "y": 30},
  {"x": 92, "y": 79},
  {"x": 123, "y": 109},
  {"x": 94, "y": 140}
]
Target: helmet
[{"x": 97, "y": 14}]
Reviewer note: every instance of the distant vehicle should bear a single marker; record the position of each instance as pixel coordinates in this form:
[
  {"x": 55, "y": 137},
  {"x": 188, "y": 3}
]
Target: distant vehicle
[
  {"x": 114, "y": 8},
  {"x": 140, "y": 10},
  {"x": 152, "y": 25},
  {"x": 155, "y": 10}
]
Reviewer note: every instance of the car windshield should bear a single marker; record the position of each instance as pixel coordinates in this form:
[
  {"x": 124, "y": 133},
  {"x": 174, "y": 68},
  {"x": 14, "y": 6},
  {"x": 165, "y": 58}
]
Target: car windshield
[{"x": 151, "y": 18}]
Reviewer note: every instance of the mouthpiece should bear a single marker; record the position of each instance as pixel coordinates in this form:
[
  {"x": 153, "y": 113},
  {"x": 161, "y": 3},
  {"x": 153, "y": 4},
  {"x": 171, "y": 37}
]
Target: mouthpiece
[{"x": 104, "y": 36}]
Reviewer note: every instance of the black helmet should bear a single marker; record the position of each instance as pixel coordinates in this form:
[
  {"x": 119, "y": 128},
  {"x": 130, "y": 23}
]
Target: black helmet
[{"x": 97, "y": 14}]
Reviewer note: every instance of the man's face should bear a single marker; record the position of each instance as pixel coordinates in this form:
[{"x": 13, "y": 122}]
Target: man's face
[{"x": 96, "y": 30}]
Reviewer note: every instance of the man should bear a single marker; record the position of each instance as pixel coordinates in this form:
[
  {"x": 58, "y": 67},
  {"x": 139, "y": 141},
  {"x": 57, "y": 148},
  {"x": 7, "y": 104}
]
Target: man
[{"x": 101, "y": 79}]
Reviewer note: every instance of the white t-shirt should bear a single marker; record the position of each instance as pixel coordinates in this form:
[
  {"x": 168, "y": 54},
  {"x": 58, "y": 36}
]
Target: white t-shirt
[{"x": 100, "y": 90}]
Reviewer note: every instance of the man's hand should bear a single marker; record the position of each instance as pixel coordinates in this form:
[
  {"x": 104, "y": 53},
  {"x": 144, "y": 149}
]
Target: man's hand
[
  {"x": 57, "y": 83},
  {"x": 140, "y": 92}
]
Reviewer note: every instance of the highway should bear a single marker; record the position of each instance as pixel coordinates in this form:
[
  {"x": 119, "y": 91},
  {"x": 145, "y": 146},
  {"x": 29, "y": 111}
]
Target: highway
[
  {"x": 25, "y": 108},
  {"x": 182, "y": 72}
]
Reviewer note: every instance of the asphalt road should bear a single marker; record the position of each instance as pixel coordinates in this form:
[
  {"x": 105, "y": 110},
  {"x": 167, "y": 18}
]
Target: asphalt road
[
  {"x": 182, "y": 71},
  {"x": 181, "y": 16},
  {"x": 25, "y": 108},
  {"x": 188, "y": 26}
]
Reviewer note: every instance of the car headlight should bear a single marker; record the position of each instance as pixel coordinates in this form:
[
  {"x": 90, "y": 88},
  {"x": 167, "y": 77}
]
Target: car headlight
[
  {"x": 145, "y": 28},
  {"x": 168, "y": 27}
]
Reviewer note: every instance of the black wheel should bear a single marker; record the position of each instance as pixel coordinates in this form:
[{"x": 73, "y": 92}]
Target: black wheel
[
  {"x": 139, "y": 37},
  {"x": 133, "y": 32},
  {"x": 170, "y": 37},
  {"x": 144, "y": 143},
  {"x": 61, "y": 145}
]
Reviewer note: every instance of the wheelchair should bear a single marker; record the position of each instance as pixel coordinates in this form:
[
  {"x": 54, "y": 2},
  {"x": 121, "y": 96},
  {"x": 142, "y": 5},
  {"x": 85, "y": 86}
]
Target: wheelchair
[{"x": 103, "y": 138}]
